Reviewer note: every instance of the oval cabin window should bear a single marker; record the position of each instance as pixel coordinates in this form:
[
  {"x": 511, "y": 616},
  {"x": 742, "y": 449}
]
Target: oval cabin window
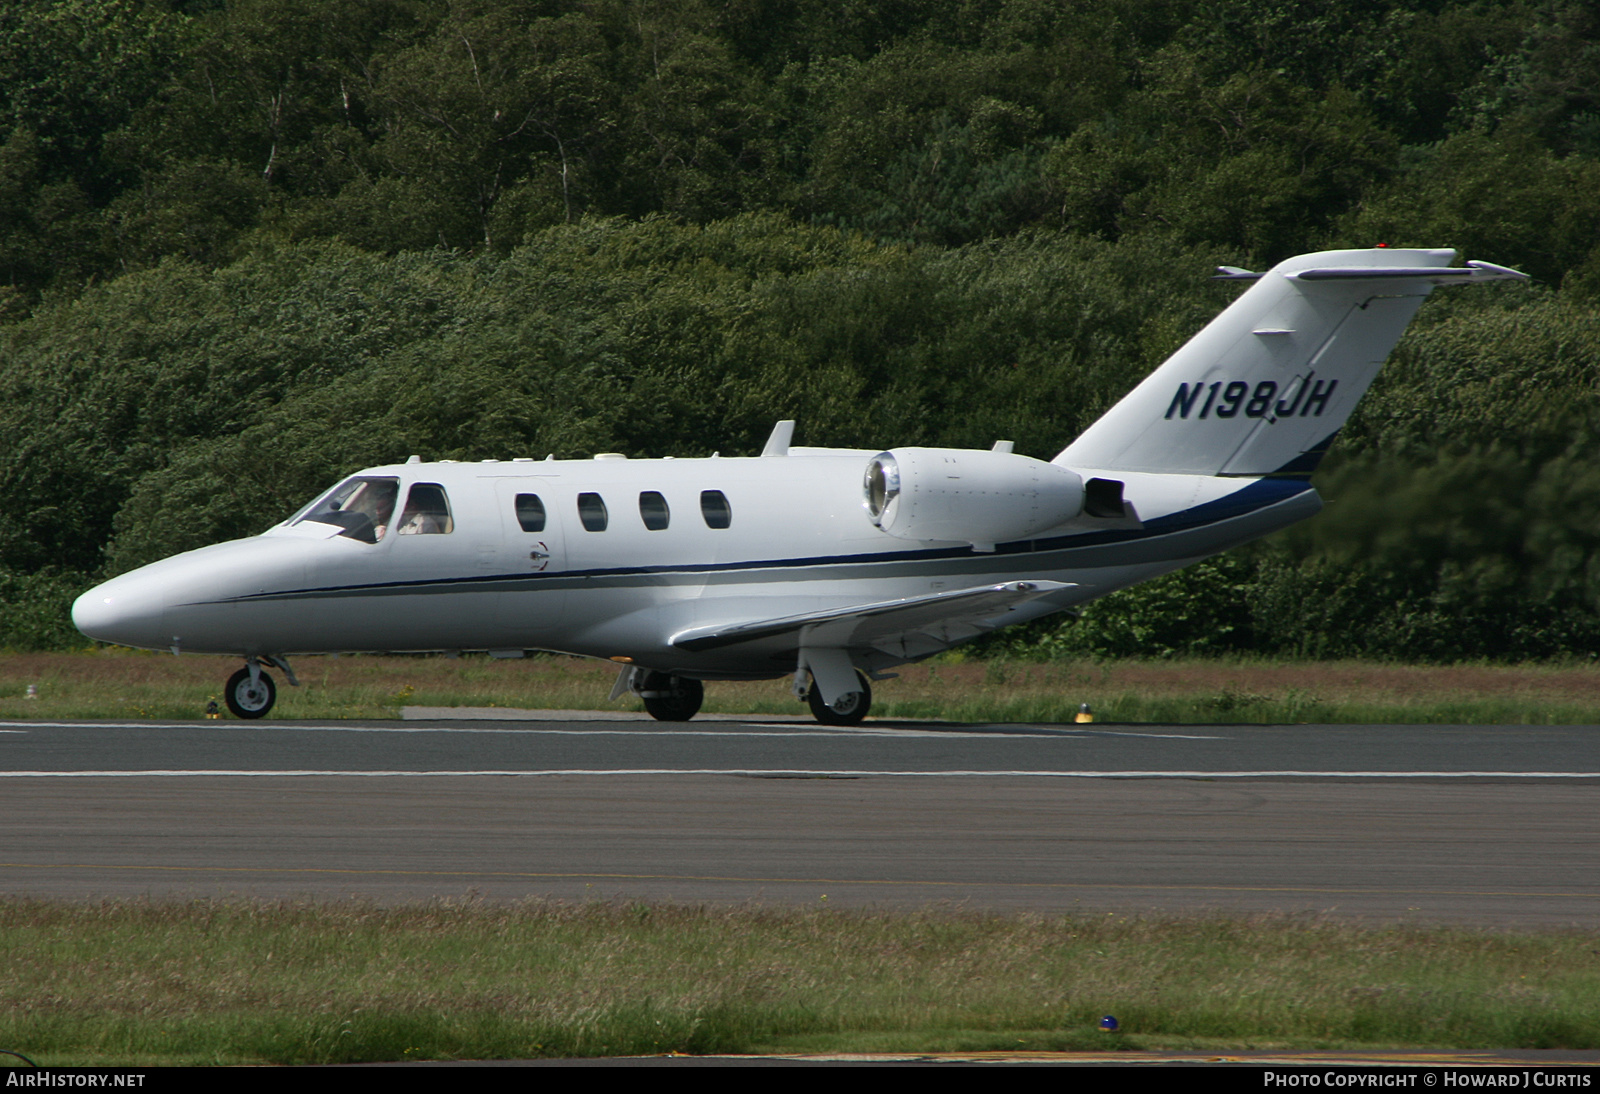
[
  {"x": 653, "y": 509},
  {"x": 715, "y": 508},
  {"x": 592, "y": 511},
  {"x": 530, "y": 512}
]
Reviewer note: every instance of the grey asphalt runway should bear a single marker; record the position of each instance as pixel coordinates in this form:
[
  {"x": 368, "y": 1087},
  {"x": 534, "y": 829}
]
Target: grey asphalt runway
[{"x": 1476, "y": 824}]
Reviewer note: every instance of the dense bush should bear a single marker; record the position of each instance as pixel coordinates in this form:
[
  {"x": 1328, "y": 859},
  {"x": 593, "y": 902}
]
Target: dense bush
[{"x": 246, "y": 247}]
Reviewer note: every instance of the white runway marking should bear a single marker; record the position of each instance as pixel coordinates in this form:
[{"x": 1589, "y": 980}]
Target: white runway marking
[
  {"x": 802, "y": 774},
  {"x": 750, "y": 729}
]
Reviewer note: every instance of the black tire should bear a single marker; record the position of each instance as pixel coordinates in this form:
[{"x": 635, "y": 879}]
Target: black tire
[
  {"x": 848, "y": 711},
  {"x": 672, "y": 698},
  {"x": 248, "y": 700}
]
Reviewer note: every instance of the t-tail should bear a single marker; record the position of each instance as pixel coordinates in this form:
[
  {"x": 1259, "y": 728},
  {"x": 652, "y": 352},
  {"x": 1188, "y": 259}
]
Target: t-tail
[{"x": 1266, "y": 386}]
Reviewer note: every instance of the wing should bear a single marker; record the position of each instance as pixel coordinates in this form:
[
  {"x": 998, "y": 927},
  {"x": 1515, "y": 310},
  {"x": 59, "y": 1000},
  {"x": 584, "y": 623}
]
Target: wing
[{"x": 909, "y": 627}]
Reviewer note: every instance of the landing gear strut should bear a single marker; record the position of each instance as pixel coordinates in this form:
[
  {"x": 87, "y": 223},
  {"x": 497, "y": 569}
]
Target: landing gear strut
[
  {"x": 671, "y": 698},
  {"x": 848, "y": 711},
  {"x": 250, "y": 692}
]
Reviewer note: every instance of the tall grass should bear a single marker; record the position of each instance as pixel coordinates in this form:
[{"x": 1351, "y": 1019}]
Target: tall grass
[
  {"x": 233, "y": 982},
  {"x": 128, "y": 684}
]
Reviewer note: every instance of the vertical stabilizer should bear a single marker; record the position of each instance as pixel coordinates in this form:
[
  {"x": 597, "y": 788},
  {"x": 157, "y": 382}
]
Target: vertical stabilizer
[{"x": 1267, "y": 384}]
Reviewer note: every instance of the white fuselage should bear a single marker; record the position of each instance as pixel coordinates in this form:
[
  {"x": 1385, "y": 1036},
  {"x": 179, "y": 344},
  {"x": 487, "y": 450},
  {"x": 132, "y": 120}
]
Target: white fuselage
[{"x": 797, "y": 539}]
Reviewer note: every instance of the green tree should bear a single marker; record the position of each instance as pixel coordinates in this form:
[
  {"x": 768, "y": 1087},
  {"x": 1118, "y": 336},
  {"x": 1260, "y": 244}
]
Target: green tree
[
  {"x": 1500, "y": 195},
  {"x": 1253, "y": 163},
  {"x": 701, "y": 136},
  {"x": 499, "y": 98},
  {"x": 72, "y": 71}
]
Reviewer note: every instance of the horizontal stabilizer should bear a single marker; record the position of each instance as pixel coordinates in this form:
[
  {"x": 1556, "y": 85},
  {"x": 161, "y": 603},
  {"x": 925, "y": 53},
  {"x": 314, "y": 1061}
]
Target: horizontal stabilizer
[
  {"x": 935, "y": 621},
  {"x": 1448, "y": 275}
]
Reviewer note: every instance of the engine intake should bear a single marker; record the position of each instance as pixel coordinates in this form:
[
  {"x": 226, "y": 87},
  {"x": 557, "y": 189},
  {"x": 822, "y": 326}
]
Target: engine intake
[{"x": 968, "y": 495}]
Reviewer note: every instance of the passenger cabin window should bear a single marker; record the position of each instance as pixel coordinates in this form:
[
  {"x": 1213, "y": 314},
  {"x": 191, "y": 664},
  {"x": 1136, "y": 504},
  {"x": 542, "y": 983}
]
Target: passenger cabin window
[
  {"x": 653, "y": 508},
  {"x": 592, "y": 511},
  {"x": 530, "y": 512},
  {"x": 359, "y": 508},
  {"x": 427, "y": 511},
  {"x": 714, "y": 507}
]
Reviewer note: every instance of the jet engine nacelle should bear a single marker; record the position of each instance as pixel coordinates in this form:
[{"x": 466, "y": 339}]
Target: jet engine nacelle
[{"x": 982, "y": 498}]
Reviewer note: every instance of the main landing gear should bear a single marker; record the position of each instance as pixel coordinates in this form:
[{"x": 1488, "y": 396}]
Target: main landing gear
[
  {"x": 250, "y": 692},
  {"x": 671, "y": 698},
  {"x": 850, "y": 709}
]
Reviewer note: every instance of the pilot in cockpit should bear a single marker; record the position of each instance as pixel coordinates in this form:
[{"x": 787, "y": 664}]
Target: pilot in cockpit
[{"x": 359, "y": 508}]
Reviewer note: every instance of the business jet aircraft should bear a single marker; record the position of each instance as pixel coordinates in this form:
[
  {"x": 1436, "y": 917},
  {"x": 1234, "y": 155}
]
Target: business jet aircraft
[{"x": 832, "y": 565}]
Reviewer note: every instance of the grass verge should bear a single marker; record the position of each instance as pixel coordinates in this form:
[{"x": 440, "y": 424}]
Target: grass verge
[
  {"x": 141, "y": 983},
  {"x": 110, "y": 683}
]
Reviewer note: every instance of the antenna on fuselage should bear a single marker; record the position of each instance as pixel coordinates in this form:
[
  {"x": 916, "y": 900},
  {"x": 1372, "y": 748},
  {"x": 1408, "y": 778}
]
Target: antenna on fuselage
[{"x": 778, "y": 443}]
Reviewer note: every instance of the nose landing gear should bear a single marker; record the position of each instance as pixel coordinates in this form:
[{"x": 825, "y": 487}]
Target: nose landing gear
[{"x": 250, "y": 692}]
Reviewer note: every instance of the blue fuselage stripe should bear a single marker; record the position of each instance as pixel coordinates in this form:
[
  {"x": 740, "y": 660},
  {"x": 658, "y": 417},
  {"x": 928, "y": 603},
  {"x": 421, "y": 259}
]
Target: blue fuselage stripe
[{"x": 1257, "y": 496}]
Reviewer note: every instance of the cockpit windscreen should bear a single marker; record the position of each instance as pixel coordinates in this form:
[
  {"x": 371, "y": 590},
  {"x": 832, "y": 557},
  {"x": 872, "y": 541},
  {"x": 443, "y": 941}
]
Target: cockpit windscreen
[{"x": 360, "y": 508}]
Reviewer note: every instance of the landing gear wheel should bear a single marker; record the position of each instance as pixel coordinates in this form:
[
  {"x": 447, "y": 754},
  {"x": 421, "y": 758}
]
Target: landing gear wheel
[
  {"x": 247, "y": 698},
  {"x": 848, "y": 711},
  {"x": 672, "y": 698}
]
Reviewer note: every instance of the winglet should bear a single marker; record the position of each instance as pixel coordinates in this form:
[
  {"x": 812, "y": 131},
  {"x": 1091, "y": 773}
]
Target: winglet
[{"x": 778, "y": 443}]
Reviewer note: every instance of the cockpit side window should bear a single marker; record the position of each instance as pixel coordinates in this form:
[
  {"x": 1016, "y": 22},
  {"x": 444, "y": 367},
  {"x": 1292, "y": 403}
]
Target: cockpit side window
[
  {"x": 427, "y": 511},
  {"x": 360, "y": 508}
]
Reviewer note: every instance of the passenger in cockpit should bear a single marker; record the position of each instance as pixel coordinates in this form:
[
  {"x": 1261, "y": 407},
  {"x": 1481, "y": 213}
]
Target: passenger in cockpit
[{"x": 427, "y": 511}]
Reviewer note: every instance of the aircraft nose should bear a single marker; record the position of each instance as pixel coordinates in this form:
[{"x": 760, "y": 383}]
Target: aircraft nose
[{"x": 121, "y": 612}]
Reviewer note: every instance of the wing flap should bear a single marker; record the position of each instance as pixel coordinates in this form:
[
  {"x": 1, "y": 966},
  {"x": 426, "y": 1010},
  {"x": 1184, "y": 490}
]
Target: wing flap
[{"x": 939, "y": 618}]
